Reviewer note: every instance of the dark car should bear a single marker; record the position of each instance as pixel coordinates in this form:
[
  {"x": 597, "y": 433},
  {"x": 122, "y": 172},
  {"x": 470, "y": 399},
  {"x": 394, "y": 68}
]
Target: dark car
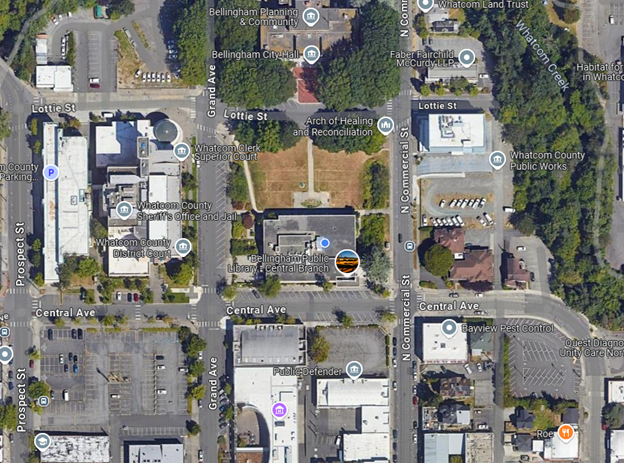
[
  {"x": 51, "y": 394},
  {"x": 256, "y": 294},
  {"x": 50, "y": 334},
  {"x": 532, "y": 276},
  {"x": 400, "y": 238},
  {"x": 136, "y": 297},
  {"x": 222, "y": 425},
  {"x": 32, "y": 363},
  {"x": 10, "y": 385},
  {"x": 10, "y": 374},
  {"x": 394, "y": 341},
  {"x": 394, "y": 351},
  {"x": 70, "y": 357},
  {"x": 75, "y": 358},
  {"x": 66, "y": 368},
  {"x": 395, "y": 433},
  {"x": 75, "y": 368},
  {"x": 160, "y": 357},
  {"x": 129, "y": 297},
  {"x": 94, "y": 85},
  {"x": 74, "y": 334},
  {"x": 79, "y": 333}
]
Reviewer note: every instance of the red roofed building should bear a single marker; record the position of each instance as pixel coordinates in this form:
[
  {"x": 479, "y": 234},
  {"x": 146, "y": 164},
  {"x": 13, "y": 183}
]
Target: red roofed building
[
  {"x": 477, "y": 266},
  {"x": 306, "y": 79},
  {"x": 451, "y": 238}
]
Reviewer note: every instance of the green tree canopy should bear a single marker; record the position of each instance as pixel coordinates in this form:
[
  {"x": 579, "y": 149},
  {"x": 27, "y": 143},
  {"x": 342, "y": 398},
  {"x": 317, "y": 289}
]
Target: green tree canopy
[
  {"x": 271, "y": 286},
  {"x": 438, "y": 260}
]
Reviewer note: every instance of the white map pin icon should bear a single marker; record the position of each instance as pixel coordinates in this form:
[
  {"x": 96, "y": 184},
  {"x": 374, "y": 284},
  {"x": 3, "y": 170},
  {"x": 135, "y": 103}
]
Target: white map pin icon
[
  {"x": 497, "y": 160},
  {"x": 42, "y": 441},
  {"x": 181, "y": 151},
  {"x": 311, "y": 16},
  {"x": 6, "y": 355},
  {"x": 449, "y": 328},
  {"x": 385, "y": 125},
  {"x": 311, "y": 54},
  {"x": 354, "y": 370},
  {"x": 183, "y": 247},
  {"x": 467, "y": 57},
  {"x": 425, "y": 5},
  {"x": 124, "y": 210}
]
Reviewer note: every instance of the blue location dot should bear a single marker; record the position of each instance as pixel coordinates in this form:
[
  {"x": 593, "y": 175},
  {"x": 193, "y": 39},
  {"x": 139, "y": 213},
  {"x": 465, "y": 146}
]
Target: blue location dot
[
  {"x": 50, "y": 172},
  {"x": 323, "y": 243}
]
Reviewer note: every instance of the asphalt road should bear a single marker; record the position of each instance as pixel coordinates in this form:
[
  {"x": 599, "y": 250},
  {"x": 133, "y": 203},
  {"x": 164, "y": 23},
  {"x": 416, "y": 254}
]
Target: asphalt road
[{"x": 17, "y": 100}]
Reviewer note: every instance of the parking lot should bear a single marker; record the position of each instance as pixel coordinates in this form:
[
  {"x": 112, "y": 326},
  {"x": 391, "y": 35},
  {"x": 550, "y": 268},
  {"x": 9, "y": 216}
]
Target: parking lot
[
  {"x": 536, "y": 257},
  {"x": 537, "y": 368},
  {"x": 440, "y": 197},
  {"x": 119, "y": 373},
  {"x": 364, "y": 344}
]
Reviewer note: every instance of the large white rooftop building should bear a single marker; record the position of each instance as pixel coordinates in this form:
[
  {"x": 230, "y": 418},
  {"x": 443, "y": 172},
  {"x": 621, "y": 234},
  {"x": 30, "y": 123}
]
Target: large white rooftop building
[
  {"x": 258, "y": 388},
  {"x": 57, "y": 78},
  {"x": 77, "y": 449},
  {"x": 156, "y": 453},
  {"x": 437, "y": 348},
  {"x": 372, "y": 397},
  {"x": 65, "y": 201},
  {"x": 452, "y": 133}
]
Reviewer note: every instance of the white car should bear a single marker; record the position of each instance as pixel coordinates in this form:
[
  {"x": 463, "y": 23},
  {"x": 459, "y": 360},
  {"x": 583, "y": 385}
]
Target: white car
[
  {"x": 460, "y": 220},
  {"x": 119, "y": 295},
  {"x": 488, "y": 218},
  {"x": 509, "y": 209},
  {"x": 157, "y": 77},
  {"x": 153, "y": 77},
  {"x": 145, "y": 77},
  {"x": 452, "y": 203},
  {"x": 138, "y": 73},
  {"x": 161, "y": 391},
  {"x": 468, "y": 369},
  {"x": 479, "y": 367},
  {"x": 424, "y": 220},
  {"x": 479, "y": 295},
  {"x": 162, "y": 76},
  {"x": 394, "y": 385},
  {"x": 455, "y": 221},
  {"x": 482, "y": 203},
  {"x": 160, "y": 367},
  {"x": 520, "y": 248},
  {"x": 442, "y": 203},
  {"x": 69, "y": 14},
  {"x": 464, "y": 203},
  {"x": 54, "y": 20},
  {"x": 476, "y": 204},
  {"x": 481, "y": 221},
  {"x": 611, "y": 19},
  {"x": 471, "y": 202},
  {"x": 60, "y": 17},
  {"x": 394, "y": 362},
  {"x": 200, "y": 356},
  {"x": 168, "y": 77}
]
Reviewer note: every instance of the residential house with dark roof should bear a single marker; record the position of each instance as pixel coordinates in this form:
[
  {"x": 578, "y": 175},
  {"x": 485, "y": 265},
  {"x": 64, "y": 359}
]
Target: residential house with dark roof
[
  {"x": 523, "y": 419},
  {"x": 451, "y": 238},
  {"x": 477, "y": 266},
  {"x": 456, "y": 387},
  {"x": 515, "y": 274}
]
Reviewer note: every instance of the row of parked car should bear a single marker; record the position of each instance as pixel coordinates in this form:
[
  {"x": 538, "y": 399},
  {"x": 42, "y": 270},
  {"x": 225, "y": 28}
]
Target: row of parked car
[
  {"x": 463, "y": 203},
  {"x": 150, "y": 77},
  {"x": 455, "y": 221}
]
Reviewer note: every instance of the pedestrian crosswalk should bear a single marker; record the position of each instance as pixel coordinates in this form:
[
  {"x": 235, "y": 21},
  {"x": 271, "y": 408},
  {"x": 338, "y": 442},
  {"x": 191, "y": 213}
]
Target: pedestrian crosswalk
[
  {"x": 18, "y": 291},
  {"x": 208, "y": 324},
  {"x": 209, "y": 290},
  {"x": 36, "y": 304},
  {"x": 193, "y": 112},
  {"x": 137, "y": 313},
  {"x": 19, "y": 324},
  {"x": 205, "y": 128},
  {"x": 193, "y": 314}
]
